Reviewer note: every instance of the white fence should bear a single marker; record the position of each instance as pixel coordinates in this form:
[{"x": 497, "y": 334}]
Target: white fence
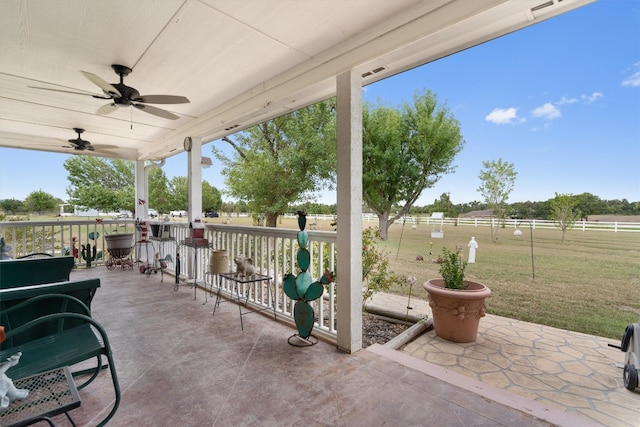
[{"x": 614, "y": 226}]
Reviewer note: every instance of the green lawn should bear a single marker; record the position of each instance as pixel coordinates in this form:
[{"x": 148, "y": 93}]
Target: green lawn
[{"x": 589, "y": 283}]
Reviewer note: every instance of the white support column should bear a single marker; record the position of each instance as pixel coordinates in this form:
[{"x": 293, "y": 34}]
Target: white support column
[
  {"x": 140, "y": 190},
  {"x": 349, "y": 221},
  {"x": 194, "y": 184},
  {"x": 148, "y": 165}
]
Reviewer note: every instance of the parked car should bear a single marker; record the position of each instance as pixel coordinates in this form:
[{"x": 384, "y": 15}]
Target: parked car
[
  {"x": 179, "y": 214},
  {"x": 152, "y": 213},
  {"x": 211, "y": 214},
  {"x": 122, "y": 215}
]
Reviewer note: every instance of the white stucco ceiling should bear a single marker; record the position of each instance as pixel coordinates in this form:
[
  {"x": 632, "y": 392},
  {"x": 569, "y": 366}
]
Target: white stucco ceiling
[{"x": 238, "y": 62}]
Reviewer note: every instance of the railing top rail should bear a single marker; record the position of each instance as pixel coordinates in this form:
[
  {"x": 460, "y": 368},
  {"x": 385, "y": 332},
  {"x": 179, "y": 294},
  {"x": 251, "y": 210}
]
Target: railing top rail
[{"x": 328, "y": 236}]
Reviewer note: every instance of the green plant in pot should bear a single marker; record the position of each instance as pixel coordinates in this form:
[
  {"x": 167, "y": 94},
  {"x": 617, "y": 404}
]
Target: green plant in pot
[
  {"x": 452, "y": 269},
  {"x": 457, "y": 304}
]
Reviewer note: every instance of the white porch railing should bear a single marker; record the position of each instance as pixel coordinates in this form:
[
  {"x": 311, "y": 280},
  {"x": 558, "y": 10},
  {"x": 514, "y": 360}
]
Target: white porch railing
[
  {"x": 273, "y": 251},
  {"x": 57, "y": 237}
]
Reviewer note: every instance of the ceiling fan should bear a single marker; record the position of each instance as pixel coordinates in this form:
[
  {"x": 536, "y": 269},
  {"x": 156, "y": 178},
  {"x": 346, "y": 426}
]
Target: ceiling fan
[
  {"x": 80, "y": 144},
  {"x": 122, "y": 95}
]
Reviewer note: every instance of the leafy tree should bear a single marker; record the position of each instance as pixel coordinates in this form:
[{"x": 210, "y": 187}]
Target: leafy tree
[
  {"x": 102, "y": 184},
  {"x": 315, "y": 208},
  {"x": 282, "y": 161},
  {"x": 564, "y": 211},
  {"x": 159, "y": 197},
  {"x": 40, "y": 201},
  {"x": 241, "y": 207},
  {"x": 539, "y": 210},
  {"x": 618, "y": 207},
  {"x": 404, "y": 152},
  {"x": 96, "y": 196},
  {"x": 228, "y": 207},
  {"x": 473, "y": 206},
  {"x": 498, "y": 178},
  {"x": 589, "y": 204},
  {"x": 443, "y": 204},
  {"x": 165, "y": 195},
  {"x": 178, "y": 193},
  {"x": 211, "y": 197},
  {"x": 12, "y": 205}
]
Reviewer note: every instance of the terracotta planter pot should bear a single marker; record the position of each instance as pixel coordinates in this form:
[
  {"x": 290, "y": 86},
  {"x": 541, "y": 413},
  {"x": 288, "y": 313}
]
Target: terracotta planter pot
[{"x": 457, "y": 313}]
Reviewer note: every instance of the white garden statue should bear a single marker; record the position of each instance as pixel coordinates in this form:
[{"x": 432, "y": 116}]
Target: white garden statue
[
  {"x": 8, "y": 391},
  {"x": 473, "y": 245}
]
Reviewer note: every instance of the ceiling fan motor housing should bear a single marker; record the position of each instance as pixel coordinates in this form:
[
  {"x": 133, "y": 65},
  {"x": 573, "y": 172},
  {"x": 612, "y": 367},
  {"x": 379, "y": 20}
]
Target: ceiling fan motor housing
[
  {"x": 128, "y": 93},
  {"x": 79, "y": 143}
]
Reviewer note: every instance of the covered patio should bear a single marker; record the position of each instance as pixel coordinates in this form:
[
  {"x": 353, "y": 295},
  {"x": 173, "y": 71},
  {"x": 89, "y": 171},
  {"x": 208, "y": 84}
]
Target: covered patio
[
  {"x": 222, "y": 67},
  {"x": 241, "y": 64},
  {"x": 179, "y": 365}
]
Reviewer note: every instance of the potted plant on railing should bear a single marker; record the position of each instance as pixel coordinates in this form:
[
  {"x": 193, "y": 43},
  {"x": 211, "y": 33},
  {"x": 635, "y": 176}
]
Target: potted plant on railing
[{"x": 457, "y": 304}]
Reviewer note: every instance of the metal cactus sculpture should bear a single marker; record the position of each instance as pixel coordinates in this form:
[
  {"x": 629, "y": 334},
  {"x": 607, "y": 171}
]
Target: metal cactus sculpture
[
  {"x": 303, "y": 289},
  {"x": 88, "y": 255}
]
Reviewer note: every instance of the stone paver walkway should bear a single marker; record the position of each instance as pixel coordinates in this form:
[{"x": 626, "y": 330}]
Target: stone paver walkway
[{"x": 573, "y": 372}]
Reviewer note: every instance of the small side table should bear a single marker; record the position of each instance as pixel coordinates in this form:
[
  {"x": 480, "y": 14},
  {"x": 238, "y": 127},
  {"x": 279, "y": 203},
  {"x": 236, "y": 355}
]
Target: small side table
[
  {"x": 51, "y": 393},
  {"x": 241, "y": 280}
]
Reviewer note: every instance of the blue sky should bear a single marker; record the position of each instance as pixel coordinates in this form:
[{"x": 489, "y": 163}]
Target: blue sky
[{"x": 560, "y": 100}]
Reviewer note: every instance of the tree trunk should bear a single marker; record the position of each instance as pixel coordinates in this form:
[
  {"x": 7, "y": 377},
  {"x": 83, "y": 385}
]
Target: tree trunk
[
  {"x": 383, "y": 225},
  {"x": 271, "y": 219}
]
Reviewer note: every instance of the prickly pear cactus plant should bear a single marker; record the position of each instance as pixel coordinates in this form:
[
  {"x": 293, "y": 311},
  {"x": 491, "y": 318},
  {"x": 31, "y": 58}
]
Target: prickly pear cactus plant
[{"x": 302, "y": 288}]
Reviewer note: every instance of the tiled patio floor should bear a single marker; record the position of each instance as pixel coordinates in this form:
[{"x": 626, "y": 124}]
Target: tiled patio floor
[
  {"x": 573, "y": 372},
  {"x": 180, "y": 366}
]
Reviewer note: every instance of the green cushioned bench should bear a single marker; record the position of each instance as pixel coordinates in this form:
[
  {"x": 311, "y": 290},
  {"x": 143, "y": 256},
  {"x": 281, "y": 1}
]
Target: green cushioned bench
[
  {"x": 84, "y": 290},
  {"x": 51, "y": 325},
  {"x": 34, "y": 271}
]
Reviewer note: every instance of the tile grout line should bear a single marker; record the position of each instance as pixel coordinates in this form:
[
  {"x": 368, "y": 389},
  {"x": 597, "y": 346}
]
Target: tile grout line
[{"x": 235, "y": 382}]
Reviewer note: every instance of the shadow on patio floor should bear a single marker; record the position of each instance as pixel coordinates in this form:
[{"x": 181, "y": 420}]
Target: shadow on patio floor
[{"x": 180, "y": 366}]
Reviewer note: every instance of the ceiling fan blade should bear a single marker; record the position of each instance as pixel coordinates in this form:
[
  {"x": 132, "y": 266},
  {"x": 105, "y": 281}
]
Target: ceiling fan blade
[
  {"x": 106, "y": 87},
  {"x": 107, "y": 109},
  {"x": 156, "y": 111},
  {"x": 107, "y": 151},
  {"x": 78, "y": 147},
  {"x": 162, "y": 99}
]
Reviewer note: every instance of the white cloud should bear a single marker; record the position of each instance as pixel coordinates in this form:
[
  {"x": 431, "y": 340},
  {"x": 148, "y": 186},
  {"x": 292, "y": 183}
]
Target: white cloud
[
  {"x": 565, "y": 100},
  {"x": 547, "y": 111},
  {"x": 593, "y": 97},
  {"x": 585, "y": 99},
  {"x": 634, "y": 79},
  {"x": 502, "y": 116}
]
